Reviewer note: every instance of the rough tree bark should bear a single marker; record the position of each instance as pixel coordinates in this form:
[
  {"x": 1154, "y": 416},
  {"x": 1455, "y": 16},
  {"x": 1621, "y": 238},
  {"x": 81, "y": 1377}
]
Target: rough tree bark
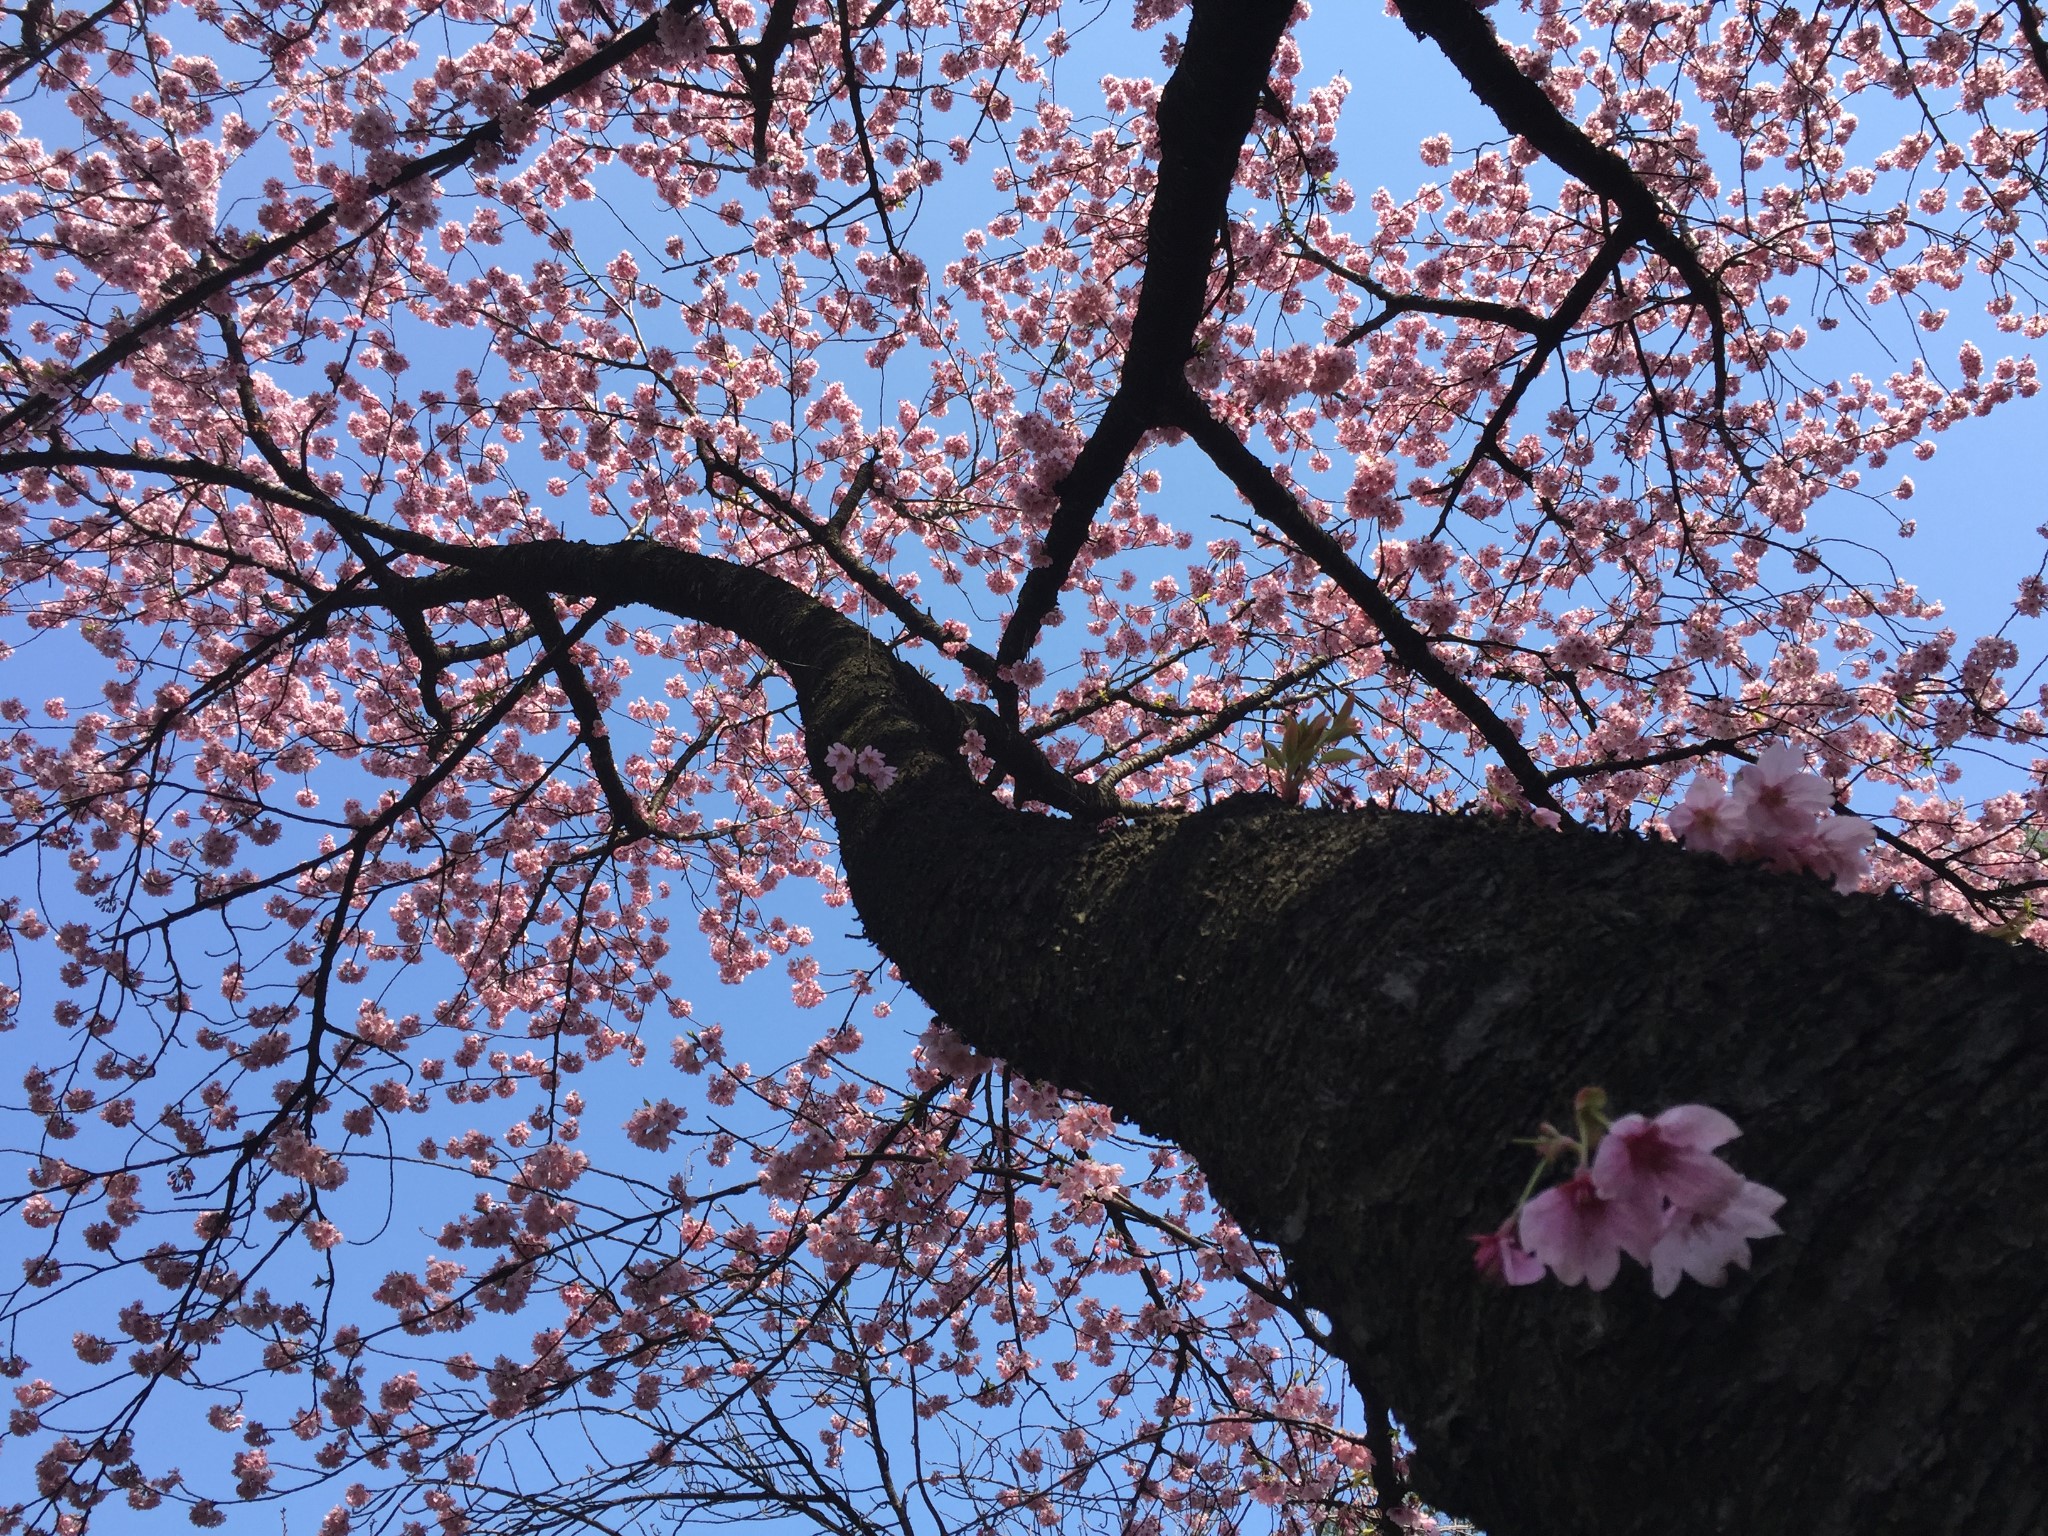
[{"x": 1346, "y": 1018}]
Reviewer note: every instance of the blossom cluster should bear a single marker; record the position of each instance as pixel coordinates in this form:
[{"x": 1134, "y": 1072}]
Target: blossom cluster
[
  {"x": 1777, "y": 814},
  {"x": 1650, "y": 1189},
  {"x": 867, "y": 762}
]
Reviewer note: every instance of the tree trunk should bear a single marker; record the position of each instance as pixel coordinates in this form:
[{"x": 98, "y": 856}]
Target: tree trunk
[{"x": 1346, "y": 1018}]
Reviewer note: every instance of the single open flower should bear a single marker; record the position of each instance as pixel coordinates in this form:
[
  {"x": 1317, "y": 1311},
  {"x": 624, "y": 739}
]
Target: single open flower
[
  {"x": 1704, "y": 820},
  {"x": 1777, "y": 798},
  {"x": 1581, "y": 1236},
  {"x": 1642, "y": 1163},
  {"x": 1703, "y": 1246}
]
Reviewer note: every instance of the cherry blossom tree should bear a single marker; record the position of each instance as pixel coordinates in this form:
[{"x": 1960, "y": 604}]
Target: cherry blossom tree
[{"x": 493, "y": 487}]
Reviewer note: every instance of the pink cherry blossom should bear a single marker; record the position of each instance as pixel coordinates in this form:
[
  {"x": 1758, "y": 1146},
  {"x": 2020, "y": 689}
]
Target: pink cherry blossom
[
  {"x": 945, "y": 1052},
  {"x": 1704, "y": 1244},
  {"x": 1653, "y": 1190},
  {"x": 653, "y": 1125},
  {"x": 1499, "y": 1255},
  {"x": 1839, "y": 851},
  {"x": 839, "y": 757},
  {"x": 1779, "y": 815},
  {"x": 316, "y": 357},
  {"x": 875, "y": 768},
  {"x": 1705, "y": 820},
  {"x": 1580, "y": 1236},
  {"x": 1644, "y": 1163},
  {"x": 1776, "y": 798}
]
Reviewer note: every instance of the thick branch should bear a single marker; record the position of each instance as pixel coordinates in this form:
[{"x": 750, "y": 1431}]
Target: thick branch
[
  {"x": 757, "y": 67},
  {"x": 628, "y": 820},
  {"x": 2030, "y": 28},
  {"x": 1205, "y": 112},
  {"x": 37, "y": 47}
]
